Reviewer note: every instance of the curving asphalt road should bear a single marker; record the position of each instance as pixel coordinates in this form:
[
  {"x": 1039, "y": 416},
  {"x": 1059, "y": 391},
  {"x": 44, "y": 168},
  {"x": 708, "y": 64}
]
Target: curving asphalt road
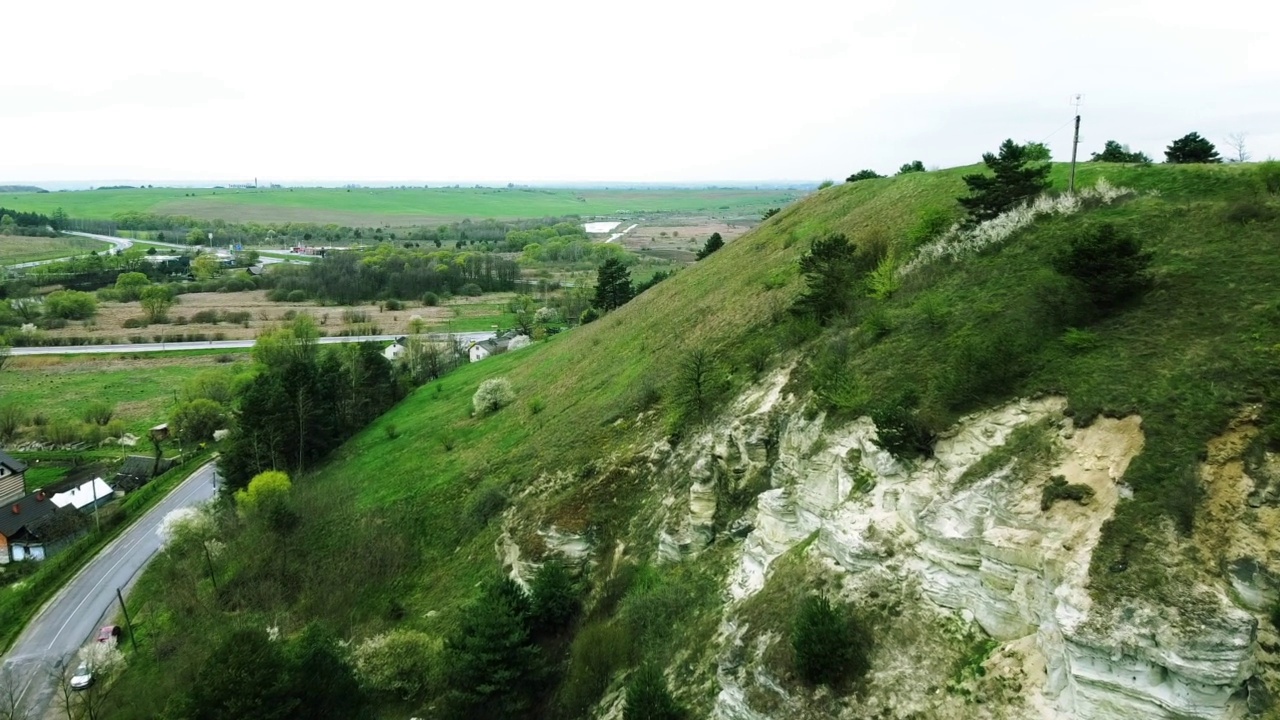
[
  {"x": 465, "y": 338},
  {"x": 88, "y": 601}
]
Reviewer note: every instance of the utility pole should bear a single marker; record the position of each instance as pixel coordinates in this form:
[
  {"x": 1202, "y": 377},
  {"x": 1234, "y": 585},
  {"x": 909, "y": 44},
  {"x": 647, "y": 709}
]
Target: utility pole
[
  {"x": 1075, "y": 144},
  {"x": 133, "y": 637}
]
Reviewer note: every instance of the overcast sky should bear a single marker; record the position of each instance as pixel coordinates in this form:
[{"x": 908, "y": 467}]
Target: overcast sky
[{"x": 606, "y": 91}]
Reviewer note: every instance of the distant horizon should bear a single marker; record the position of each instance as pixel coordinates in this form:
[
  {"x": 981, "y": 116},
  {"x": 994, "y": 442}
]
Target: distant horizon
[{"x": 85, "y": 185}]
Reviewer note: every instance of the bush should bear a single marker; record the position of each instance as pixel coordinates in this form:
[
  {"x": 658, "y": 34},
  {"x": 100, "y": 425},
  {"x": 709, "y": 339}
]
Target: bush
[
  {"x": 648, "y": 697},
  {"x": 486, "y": 504},
  {"x": 133, "y": 323},
  {"x": 430, "y": 299},
  {"x": 296, "y": 296},
  {"x": 70, "y": 305},
  {"x": 401, "y": 663},
  {"x": 12, "y": 418},
  {"x": 1269, "y": 175},
  {"x": 829, "y": 647},
  {"x": 492, "y": 395},
  {"x": 1110, "y": 263},
  {"x": 598, "y": 651},
  {"x": 471, "y": 290},
  {"x": 1059, "y": 489},
  {"x": 1251, "y": 210},
  {"x": 196, "y": 421},
  {"x": 207, "y": 317},
  {"x": 393, "y": 304},
  {"x": 589, "y": 315},
  {"x": 97, "y": 413}
]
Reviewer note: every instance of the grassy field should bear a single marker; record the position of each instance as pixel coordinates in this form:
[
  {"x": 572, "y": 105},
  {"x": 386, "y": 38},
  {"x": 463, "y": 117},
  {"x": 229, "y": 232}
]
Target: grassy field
[
  {"x": 142, "y": 391},
  {"x": 396, "y": 206},
  {"x": 16, "y": 249}
]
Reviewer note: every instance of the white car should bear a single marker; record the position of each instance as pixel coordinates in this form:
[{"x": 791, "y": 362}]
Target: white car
[{"x": 83, "y": 677}]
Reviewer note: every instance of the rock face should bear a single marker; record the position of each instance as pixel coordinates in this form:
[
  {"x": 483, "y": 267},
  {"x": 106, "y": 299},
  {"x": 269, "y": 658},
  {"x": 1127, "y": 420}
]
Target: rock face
[{"x": 978, "y": 549}]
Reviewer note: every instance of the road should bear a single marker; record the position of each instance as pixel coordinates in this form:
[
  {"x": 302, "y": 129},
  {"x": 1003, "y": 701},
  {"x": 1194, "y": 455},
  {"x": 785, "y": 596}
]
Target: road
[
  {"x": 465, "y": 338},
  {"x": 86, "y": 603}
]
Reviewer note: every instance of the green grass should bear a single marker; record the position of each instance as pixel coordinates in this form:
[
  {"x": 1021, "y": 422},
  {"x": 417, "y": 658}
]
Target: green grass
[
  {"x": 142, "y": 391},
  {"x": 15, "y": 249},
  {"x": 957, "y": 337},
  {"x": 395, "y": 206}
]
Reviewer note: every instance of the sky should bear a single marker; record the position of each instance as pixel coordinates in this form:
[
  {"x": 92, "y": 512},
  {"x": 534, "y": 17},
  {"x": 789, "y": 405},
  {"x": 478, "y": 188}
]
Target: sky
[{"x": 561, "y": 92}]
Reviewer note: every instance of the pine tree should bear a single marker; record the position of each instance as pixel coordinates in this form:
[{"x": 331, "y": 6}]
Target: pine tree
[
  {"x": 613, "y": 285},
  {"x": 491, "y": 663},
  {"x": 714, "y": 243},
  {"x": 648, "y": 697},
  {"x": 1191, "y": 148},
  {"x": 553, "y": 598},
  {"x": 1114, "y": 152},
  {"x": 831, "y": 271},
  {"x": 1110, "y": 263},
  {"x": 1015, "y": 179},
  {"x": 828, "y": 647}
]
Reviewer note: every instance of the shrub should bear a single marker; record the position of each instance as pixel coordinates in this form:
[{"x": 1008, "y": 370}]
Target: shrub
[
  {"x": 12, "y": 418},
  {"x": 863, "y": 175},
  {"x": 238, "y": 317},
  {"x": 355, "y": 317},
  {"x": 208, "y": 317},
  {"x": 1079, "y": 341},
  {"x": 648, "y": 697},
  {"x": 546, "y": 316},
  {"x": 1269, "y": 175},
  {"x": 393, "y": 304},
  {"x": 598, "y": 651},
  {"x": 133, "y": 323},
  {"x": 492, "y": 395},
  {"x": 536, "y": 405},
  {"x": 826, "y": 184},
  {"x": 390, "y": 431},
  {"x": 97, "y": 413},
  {"x": 1111, "y": 264},
  {"x": 401, "y": 663},
  {"x": 196, "y": 421},
  {"x": 296, "y": 296},
  {"x": 589, "y": 315},
  {"x": 829, "y": 646},
  {"x": 1059, "y": 489},
  {"x": 430, "y": 299},
  {"x": 486, "y": 505},
  {"x": 471, "y": 290},
  {"x": 1251, "y": 210},
  {"x": 70, "y": 305}
]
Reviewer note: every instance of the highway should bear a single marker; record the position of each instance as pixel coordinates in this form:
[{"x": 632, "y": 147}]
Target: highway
[
  {"x": 88, "y": 601},
  {"x": 466, "y": 338}
]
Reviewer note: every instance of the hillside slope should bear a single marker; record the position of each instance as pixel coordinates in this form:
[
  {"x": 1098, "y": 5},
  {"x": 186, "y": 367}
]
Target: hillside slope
[{"x": 699, "y": 540}]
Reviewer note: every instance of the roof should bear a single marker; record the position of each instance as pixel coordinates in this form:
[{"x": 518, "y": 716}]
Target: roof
[
  {"x": 140, "y": 466},
  {"x": 494, "y": 345},
  {"x": 31, "y": 509},
  {"x": 16, "y": 466},
  {"x": 84, "y": 495},
  {"x": 254, "y": 269}
]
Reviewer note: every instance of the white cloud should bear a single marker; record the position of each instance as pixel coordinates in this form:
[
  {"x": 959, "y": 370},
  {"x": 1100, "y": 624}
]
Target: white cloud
[{"x": 563, "y": 91}]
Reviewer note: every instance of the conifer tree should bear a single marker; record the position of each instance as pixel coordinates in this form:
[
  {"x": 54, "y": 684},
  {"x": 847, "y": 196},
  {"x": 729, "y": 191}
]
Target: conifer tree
[
  {"x": 553, "y": 598},
  {"x": 1015, "y": 178},
  {"x": 831, "y": 271},
  {"x": 1191, "y": 148},
  {"x": 1113, "y": 151},
  {"x": 714, "y": 243},
  {"x": 914, "y": 166},
  {"x": 613, "y": 285},
  {"x": 491, "y": 663},
  {"x": 648, "y": 697}
]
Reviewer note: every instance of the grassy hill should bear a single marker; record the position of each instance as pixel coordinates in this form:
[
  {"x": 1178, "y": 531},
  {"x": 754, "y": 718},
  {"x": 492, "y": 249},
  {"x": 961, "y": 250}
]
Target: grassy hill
[
  {"x": 395, "y": 206},
  {"x": 398, "y": 528}
]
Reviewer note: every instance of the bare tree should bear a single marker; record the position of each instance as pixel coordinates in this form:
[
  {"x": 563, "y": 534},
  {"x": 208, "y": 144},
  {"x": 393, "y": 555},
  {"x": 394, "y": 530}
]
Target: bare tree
[
  {"x": 5, "y": 354},
  {"x": 1235, "y": 141},
  {"x": 11, "y": 697}
]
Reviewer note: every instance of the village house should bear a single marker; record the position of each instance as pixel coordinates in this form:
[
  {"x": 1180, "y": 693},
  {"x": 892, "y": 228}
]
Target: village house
[
  {"x": 32, "y": 527},
  {"x": 395, "y": 350},
  {"x": 485, "y": 348},
  {"x": 12, "y": 478},
  {"x": 90, "y": 495}
]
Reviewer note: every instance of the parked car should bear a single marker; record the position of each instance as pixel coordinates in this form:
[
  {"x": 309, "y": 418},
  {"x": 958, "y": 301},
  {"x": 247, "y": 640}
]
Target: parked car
[
  {"x": 82, "y": 678},
  {"x": 109, "y": 634}
]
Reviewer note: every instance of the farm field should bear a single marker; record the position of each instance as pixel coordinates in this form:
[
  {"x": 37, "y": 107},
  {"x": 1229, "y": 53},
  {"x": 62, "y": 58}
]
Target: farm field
[
  {"x": 400, "y": 207},
  {"x": 17, "y": 249},
  {"x": 459, "y": 314}
]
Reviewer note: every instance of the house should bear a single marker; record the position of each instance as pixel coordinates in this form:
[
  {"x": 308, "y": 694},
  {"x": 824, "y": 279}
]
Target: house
[
  {"x": 89, "y": 495},
  {"x": 485, "y": 348},
  {"x": 396, "y": 349},
  {"x": 32, "y": 527},
  {"x": 137, "y": 471},
  {"x": 12, "y": 478}
]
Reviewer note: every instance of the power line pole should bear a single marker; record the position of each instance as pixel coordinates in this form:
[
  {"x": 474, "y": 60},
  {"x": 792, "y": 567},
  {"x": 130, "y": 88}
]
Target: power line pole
[
  {"x": 133, "y": 637},
  {"x": 1075, "y": 144}
]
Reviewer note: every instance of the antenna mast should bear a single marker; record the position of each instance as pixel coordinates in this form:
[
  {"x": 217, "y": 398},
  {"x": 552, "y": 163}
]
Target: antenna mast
[{"x": 1075, "y": 143}]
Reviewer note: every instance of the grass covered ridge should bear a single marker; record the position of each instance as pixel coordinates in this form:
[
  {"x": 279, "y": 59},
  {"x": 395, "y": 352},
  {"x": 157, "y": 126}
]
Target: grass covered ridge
[{"x": 400, "y": 524}]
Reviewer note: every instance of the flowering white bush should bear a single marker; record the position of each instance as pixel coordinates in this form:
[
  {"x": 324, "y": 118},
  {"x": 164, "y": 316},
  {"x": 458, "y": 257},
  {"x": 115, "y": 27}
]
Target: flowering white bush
[
  {"x": 401, "y": 662},
  {"x": 518, "y": 342},
  {"x": 103, "y": 657},
  {"x": 546, "y": 315},
  {"x": 28, "y": 328},
  {"x": 492, "y": 396},
  {"x": 958, "y": 242}
]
